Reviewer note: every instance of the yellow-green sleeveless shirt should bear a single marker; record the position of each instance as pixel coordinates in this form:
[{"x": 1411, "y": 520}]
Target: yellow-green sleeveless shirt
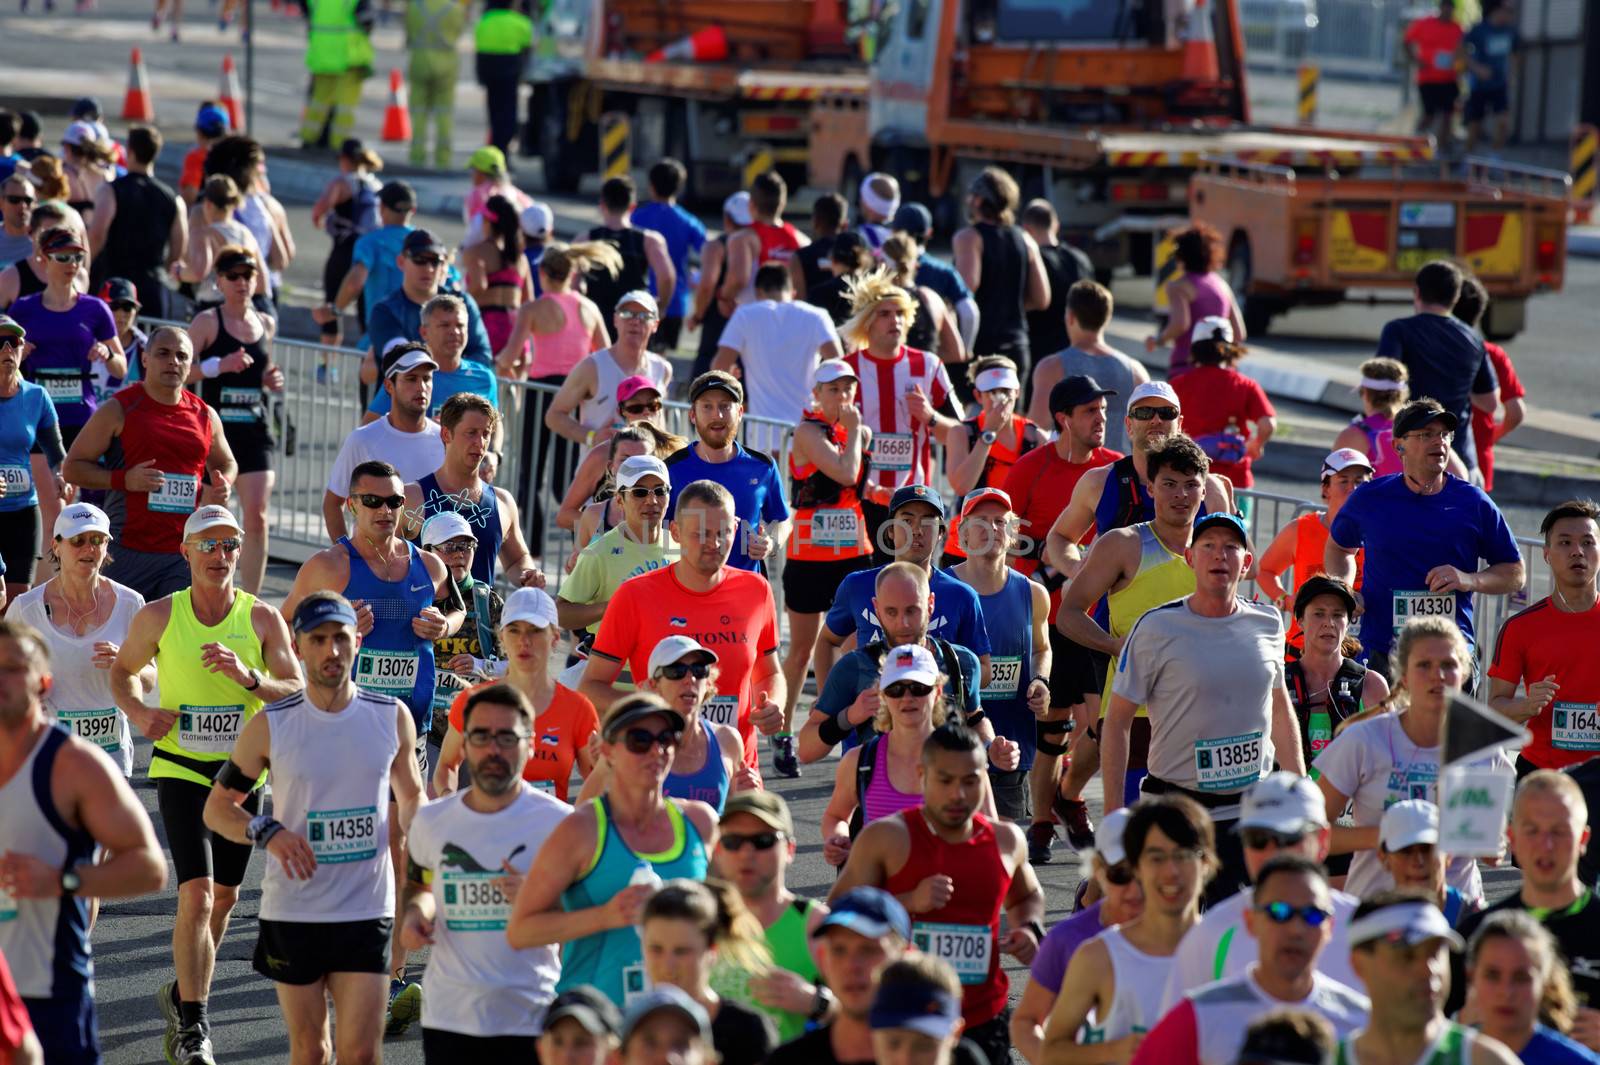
[
  {"x": 211, "y": 708},
  {"x": 1162, "y": 577}
]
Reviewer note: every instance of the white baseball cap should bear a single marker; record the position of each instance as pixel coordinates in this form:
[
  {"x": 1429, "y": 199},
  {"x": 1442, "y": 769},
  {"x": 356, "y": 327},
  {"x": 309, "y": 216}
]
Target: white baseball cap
[
  {"x": 1108, "y": 837},
  {"x": 1283, "y": 802},
  {"x": 909, "y": 661},
  {"x": 445, "y": 526},
  {"x": 831, "y": 370},
  {"x": 211, "y": 516},
  {"x": 1406, "y": 922},
  {"x": 529, "y": 604},
  {"x": 1212, "y": 328},
  {"x": 537, "y": 219},
  {"x": 636, "y": 468},
  {"x": 79, "y": 132},
  {"x": 81, "y": 518},
  {"x": 1407, "y": 823},
  {"x": 1342, "y": 459},
  {"x": 643, "y": 299},
  {"x": 409, "y": 361},
  {"x": 737, "y": 207},
  {"x": 1154, "y": 390},
  {"x": 674, "y": 648}
]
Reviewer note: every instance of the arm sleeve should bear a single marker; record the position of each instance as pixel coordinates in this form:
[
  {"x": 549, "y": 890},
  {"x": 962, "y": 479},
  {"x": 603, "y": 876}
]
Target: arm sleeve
[
  {"x": 1175, "y": 1040},
  {"x": 48, "y": 438}
]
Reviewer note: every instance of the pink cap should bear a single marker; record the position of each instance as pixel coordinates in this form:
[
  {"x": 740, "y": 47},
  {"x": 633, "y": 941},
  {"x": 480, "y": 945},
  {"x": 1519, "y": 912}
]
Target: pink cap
[{"x": 629, "y": 386}]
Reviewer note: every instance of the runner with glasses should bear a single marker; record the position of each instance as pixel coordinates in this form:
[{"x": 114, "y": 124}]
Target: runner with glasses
[
  {"x": 29, "y": 422},
  {"x": 219, "y": 654},
  {"x": 601, "y": 864},
  {"x": 472, "y": 653}
]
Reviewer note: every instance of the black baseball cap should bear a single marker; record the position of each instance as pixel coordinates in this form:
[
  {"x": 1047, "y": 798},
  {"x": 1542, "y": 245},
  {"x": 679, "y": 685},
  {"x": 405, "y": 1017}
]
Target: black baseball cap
[
  {"x": 916, "y": 493},
  {"x": 843, "y": 242},
  {"x": 913, "y": 218},
  {"x": 120, "y": 290},
  {"x": 597, "y": 1014},
  {"x": 398, "y": 196},
  {"x": 422, "y": 242},
  {"x": 1414, "y": 416},
  {"x": 1323, "y": 585},
  {"x": 716, "y": 379},
  {"x": 323, "y": 609},
  {"x": 1074, "y": 391},
  {"x": 86, "y": 108}
]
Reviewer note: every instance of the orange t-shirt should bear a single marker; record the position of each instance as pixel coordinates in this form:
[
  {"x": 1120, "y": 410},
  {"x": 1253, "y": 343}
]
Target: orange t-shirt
[
  {"x": 736, "y": 619},
  {"x": 194, "y": 168},
  {"x": 1310, "y": 547},
  {"x": 560, "y": 731},
  {"x": 1437, "y": 41}
]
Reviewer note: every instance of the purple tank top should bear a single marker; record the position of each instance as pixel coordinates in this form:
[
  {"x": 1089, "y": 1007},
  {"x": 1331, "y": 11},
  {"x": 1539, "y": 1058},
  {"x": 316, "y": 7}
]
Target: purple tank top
[
  {"x": 1210, "y": 299},
  {"x": 883, "y": 799},
  {"x": 1380, "y": 443}
]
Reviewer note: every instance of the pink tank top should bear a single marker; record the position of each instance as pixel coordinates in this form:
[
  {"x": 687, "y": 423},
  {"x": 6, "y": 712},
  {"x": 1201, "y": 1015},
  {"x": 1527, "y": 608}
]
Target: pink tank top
[
  {"x": 883, "y": 799},
  {"x": 555, "y": 354},
  {"x": 1380, "y": 443},
  {"x": 1210, "y": 299}
]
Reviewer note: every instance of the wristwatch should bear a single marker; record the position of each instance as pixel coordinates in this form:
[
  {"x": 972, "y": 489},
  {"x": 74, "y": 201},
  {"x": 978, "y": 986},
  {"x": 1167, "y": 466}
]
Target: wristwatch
[
  {"x": 989, "y": 436},
  {"x": 821, "y": 1003},
  {"x": 71, "y": 882},
  {"x": 255, "y": 681}
]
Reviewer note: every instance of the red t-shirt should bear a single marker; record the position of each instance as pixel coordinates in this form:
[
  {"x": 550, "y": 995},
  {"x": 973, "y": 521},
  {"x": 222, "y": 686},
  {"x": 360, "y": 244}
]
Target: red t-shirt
[
  {"x": 1437, "y": 40},
  {"x": 736, "y": 619},
  {"x": 14, "y": 1022},
  {"x": 194, "y": 168},
  {"x": 1040, "y": 485},
  {"x": 1542, "y": 641},
  {"x": 1210, "y": 396},
  {"x": 178, "y": 439},
  {"x": 560, "y": 731},
  {"x": 1484, "y": 430}
]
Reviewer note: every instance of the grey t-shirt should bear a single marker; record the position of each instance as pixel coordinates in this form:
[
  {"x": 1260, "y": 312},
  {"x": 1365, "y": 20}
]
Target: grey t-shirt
[
  {"x": 1109, "y": 371},
  {"x": 1208, "y": 684}
]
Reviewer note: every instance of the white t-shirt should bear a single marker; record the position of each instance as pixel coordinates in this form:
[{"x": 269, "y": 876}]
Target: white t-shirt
[
  {"x": 1220, "y": 947},
  {"x": 414, "y": 455},
  {"x": 476, "y": 984},
  {"x": 777, "y": 345},
  {"x": 80, "y": 692},
  {"x": 1212, "y": 1020},
  {"x": 1375, "y": 763}
]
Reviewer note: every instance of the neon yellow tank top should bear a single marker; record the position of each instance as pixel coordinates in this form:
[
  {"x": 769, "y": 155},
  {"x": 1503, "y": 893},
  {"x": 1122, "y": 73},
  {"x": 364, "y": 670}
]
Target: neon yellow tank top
[
  {"x": 211, "y": 709},
  {"x": 1162, "y": 577}
]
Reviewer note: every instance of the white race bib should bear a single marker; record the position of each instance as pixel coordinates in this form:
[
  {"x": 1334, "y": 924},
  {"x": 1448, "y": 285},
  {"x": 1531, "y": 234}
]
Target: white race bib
[
  {"x": 17, "y": 481},
  {"x": 176, "y": 495},
  {"x": 634, "y": 983},
  {"x": 721, "y": 710},
  {"x": 239, "y": 404},
  {"x": 1423, "y": 604},
  {"x": 1574, "y": 727},
  {"x": 62, "y": 386},
  {"x": 472, "y": 902},
  {"x": 209, "y": 729},
  {"x": 387, "y": 672},
  {"x": 1005, "y": 675},
  {"x": 835, "y": 528},
  {"x": 103, "y": 728},
  {"x": 1231, "y": 763},
  {"x": 968, "y": 948},
  {"x": 893, "y": 452},
  {"x": 8, "y": 906},
  {"x": 338, "y": 836},
  {"x": 546, "y": 786}
]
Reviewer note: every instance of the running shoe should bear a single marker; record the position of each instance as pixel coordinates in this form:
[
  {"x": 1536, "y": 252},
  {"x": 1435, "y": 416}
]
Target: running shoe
[
  {"x": 192, "y": 1047},
  {"x": 784, "y": 761},
  {"x": 322, "y": 373},
  {"x": 1041, "y": 837},
  {"x": 167, "y": 999},
  {"x": 1074, "y": 817},
  {"x": 405, "y": 1006}
]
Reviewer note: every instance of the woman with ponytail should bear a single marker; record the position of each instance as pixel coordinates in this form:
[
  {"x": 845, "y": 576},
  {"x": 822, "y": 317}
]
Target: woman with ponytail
[{"x": 497, "y": 272}]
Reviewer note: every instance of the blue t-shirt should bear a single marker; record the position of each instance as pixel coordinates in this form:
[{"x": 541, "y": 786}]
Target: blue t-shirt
[
  {"x": 1447, "y": 362},
  {"x": 469, "y": 377},
  {"x": 1491, "y": 46},
  {"x": 957, "y": 613},
  {"x": 1550, "y": 1047},
  {"x": 1405, "y": 535},
  {"x": 398, "y": 316},
  {"x": 377, "y": 251},
  {"x": 751, "y": 477},
  {"x": 22, "y": 418},
  {"x": 856, "y": 672},
  {"x": 942, "y": 278},
  {"x": 683, "y": 233}
]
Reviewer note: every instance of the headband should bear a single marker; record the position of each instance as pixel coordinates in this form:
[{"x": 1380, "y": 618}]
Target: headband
[
  {"x": 1378, "y": 384},
  {"x": 996, "y": 377},
  {"x": 873, "y": 202}
]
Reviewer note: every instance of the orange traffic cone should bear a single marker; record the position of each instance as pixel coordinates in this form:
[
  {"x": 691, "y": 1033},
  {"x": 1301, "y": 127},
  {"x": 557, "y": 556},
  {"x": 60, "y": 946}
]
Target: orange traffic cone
[
  {"x": 827, "y": 31},
  {"x": 397, "y": 119},
  {"x": 136, "y": 106},
  {"x": 1200, "y": 46},
  {"x": 228, "y": 94},
  {"x": 702, "y": 46}
]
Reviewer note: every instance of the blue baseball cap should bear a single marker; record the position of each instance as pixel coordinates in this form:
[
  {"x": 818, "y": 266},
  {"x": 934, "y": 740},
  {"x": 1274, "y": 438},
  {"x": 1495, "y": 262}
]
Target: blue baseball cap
[
  {"x": 1231, "y": 522},
  {"x": 666, "y": 997},
  {"x": 925, "y": 1008},
  {"x": 868, "y": 911},
  {"x": 916, "y": 493},
  {"x": 211, "y": 120},
  {"x": 323, "y": 609}
]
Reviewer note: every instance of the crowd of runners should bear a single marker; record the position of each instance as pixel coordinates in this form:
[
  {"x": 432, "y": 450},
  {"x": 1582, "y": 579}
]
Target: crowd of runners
[{"x": 1007, "y": 562}]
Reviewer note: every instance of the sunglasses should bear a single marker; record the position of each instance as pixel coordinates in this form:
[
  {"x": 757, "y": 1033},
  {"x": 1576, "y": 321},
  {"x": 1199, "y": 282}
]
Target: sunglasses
[
  {"x": 66, "y": 258},
  {"x": 902, "y": 688},
  {"x": 634, "y": 316},
  {"x": 9, "y": 342},
  {"x": 88, "y": 540},
  {"x": 642, "y": 408},
  {"x": 761, "y": 841},
  {"x": 428, "y": 260},
  {"x": 1144, "y": 414},
  {"x": 641, "y": 740},
  {"x": 455, "y": 547},
  {"x": 1261, "y": 838},
  {"x": 659, "y": 492},
  {"x": 679, "y": 670},
  {"x": 1283, "y": 913},
  {"x": 505, "y": 739},
  {"x": 1119, "y": 875},
  {"x": 131, "y": 308},
  {"x": 18, "y": 201},
  {"x": 239, "y": 275},
  {"x": 375, "y": 502},
  {"x": 230, "y": 546}
]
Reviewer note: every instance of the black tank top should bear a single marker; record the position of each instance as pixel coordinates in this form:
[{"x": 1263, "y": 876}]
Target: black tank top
[
  {"x": 811, "y": 267},
  {"x": 712, "y": 324},
  {"x": 1047, "y": 329},
  {"x": 236, "y": 397},
  {"x": 136, "y": 243},
  {"x": 29, "y": 283},
  {"x": 606, "y": 290},
  {"x": 1002, "y": 325},
  {"x": 922, "y": 335}
]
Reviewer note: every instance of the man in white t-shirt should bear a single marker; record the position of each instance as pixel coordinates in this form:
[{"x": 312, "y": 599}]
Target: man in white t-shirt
[
  {"x": 777, "y": 342},
  {"x": 406, "y": 437}
]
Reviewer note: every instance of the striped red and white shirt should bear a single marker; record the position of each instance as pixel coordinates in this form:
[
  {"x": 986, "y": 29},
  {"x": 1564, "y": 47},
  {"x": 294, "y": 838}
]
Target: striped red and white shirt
[{"x": 902, "y": 450}]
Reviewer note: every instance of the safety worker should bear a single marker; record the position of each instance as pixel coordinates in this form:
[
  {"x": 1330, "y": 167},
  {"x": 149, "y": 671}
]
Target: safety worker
[
  {"x": 432, "y": 29},
  {"x": 339, "y": 59},
  {"x": 502, "y": 37}
]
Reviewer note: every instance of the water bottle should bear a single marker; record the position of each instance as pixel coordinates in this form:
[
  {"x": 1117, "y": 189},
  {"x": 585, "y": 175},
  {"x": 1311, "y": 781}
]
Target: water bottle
[{"x": 644, "y": 873}]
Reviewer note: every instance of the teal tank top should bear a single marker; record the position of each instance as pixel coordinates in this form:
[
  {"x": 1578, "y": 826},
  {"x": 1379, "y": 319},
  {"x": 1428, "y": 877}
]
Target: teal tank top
[{"x": 613, "y": 962}]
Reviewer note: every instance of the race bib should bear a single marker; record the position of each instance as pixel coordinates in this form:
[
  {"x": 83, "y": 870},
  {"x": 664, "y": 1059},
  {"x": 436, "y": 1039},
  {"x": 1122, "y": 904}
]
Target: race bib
[
  {"x": 1231, "y": 763},
  {"x": 443, "y": 695},
  {"x": 338, "y": 836},
  {"x": 1424, "y": 604},
  {"x": 176, "y": 494},
  {"x": 1574, "y": 727},
  {"x": 634, "y": 983},
  {"x": 968, "y": 948},
  {"x": 1005, "y": 675},
  {"x": 62, "y": 387},
  {"x": 835, "y": 528},
  {"x": 387, "y": 672},
  {"x": 1444, "y": 60},
  {"x": 15, "y": 481},
  {"x": 103, "y": 728},
  {"x": 239, "y": 404},
  {"x": 472, "y": 902},
  {"x": 8, "y": 906},
  {"x": 209, "y": 729},
  {"x": 893, "y": 452},
  {"x": 721, "y": 710},
  {"x": 546, "y": 786}
]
